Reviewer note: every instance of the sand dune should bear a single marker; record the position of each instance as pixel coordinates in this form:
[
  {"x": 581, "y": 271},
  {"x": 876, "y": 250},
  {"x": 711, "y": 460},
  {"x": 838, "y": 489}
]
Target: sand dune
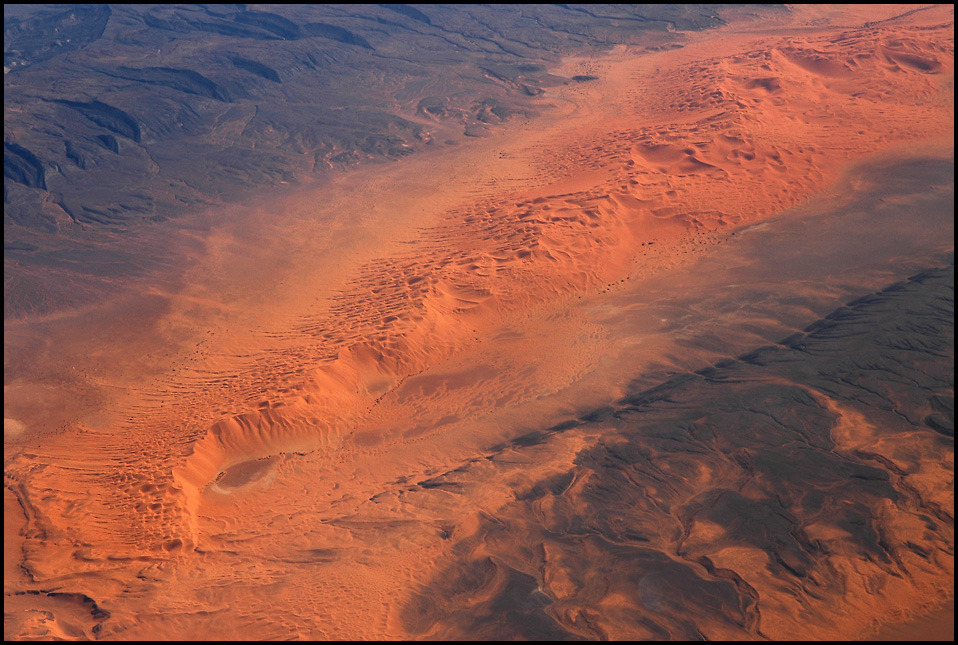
[{"x": 371, "y": 445}]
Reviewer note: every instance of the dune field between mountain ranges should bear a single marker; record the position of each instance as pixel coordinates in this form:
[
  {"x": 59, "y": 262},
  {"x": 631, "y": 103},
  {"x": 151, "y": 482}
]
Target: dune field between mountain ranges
[{"x": 282, "y": 475}]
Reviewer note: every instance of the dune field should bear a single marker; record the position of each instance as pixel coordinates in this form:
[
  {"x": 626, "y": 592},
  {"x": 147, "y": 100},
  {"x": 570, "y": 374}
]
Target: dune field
[{"x": 667, "y": 354}]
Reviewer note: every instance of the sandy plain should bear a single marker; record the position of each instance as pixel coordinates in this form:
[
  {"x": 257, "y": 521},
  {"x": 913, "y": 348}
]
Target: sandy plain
[{"x": 373, "y": 417}]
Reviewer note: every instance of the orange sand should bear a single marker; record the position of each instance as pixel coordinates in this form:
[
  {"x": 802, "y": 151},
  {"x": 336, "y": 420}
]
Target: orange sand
[{"x": 246, "y": 447}]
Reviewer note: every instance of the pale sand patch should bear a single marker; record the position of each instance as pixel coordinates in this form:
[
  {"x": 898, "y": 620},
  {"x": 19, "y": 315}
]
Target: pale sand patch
[{"x": 12, "y": 429}]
